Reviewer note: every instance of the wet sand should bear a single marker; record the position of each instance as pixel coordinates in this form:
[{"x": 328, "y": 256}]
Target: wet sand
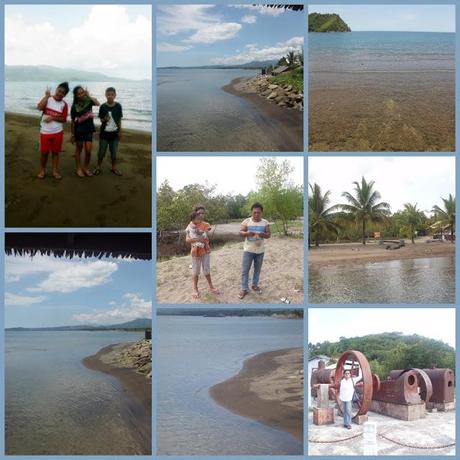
[
  {"x": 268, "y": 389},
  {"x": 281, "y": 275},
  {"x": 342, "y": 254},
  {"x": 137, "y": 388},
  {"x": 382, "y": 111},
  {"x": 283, "y": 126},
  {"x": 99, "y": 201}
]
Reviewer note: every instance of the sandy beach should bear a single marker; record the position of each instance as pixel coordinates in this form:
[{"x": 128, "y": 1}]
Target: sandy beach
[
  {"x": 281, "y": 276},
  {"x": 269, "y": 389},
  {"x": 123, "y": 361},
  {"x": 356, "y": 253},
  {"x": 99, "y": 201},
  {"x": 283, "y": 125}
]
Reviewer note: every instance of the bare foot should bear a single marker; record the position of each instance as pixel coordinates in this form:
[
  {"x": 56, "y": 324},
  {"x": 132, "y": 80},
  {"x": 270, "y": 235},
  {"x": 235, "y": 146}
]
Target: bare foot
[
  {"x": 88, "y": 173},
  {"x": 214, "y": 290},
  {"x": 41, "y": 175},
  {"x": 57, "y": 176},
  {"x": 196, "y": 295},
  {"x": 79, "y": 173}
]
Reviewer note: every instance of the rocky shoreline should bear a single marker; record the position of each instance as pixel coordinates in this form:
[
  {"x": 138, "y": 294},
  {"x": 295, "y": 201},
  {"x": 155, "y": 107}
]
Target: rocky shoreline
[
  {"x": 137, "y": 356},
  {"x": 282, "y": 95}
]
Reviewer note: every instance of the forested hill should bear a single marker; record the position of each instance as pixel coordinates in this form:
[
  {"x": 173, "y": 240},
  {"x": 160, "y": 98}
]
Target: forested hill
[
  {"x": 391, "y": 350},
  {"x": 326, "y": 23}
]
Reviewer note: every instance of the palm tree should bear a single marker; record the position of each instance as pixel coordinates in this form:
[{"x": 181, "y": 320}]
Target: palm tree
[
  {"x": 412, "y": 217},
  {"x": 320, "y": 216},
  {"x": 290, "y": 58},
  {"x": 363, "y": 206},
  {"x": 446, "y": 217}
]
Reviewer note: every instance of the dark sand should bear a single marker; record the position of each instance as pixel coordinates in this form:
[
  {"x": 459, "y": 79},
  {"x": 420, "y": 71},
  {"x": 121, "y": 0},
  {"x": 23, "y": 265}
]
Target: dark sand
[
  {"x": 268, "y": 389},
  {"x": 138, "y": 396},
  {"x": 99, "y": 201},
  {"x": 283, "y": 126},
  {"x": 389, "y": 111}
]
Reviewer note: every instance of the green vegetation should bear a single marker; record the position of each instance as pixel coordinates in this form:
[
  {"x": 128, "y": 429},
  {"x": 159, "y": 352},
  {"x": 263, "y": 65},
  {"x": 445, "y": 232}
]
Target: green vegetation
[
  {"x": 364, "y": 214},
  {"x": 391, "y": 350},
  {"x": 291, "y": 77},
  {"x": 326, "y": 23},
  {"x": 281, "y": 199}
]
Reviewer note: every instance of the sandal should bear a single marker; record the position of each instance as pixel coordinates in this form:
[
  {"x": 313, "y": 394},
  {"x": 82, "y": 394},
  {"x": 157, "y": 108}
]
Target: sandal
[
  {"x": 257, "y": 289},
  {"x": 79, "y": 173},
  {"x": 243, "y": 293},
  {"x": 97, "y": 172},
  {"x": 87, "y": 173},
  {"x": 57, "y": 176},
  {"x": 116, "y": 172},
  {"x": 41, "y": 176}
]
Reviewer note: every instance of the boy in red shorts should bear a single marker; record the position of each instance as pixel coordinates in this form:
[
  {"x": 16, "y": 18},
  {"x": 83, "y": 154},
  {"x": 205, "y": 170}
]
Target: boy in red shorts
[{"x": 54, "y": 116}]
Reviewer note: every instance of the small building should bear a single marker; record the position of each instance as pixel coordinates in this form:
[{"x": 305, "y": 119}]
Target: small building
[{"x": 279, "y": 70}]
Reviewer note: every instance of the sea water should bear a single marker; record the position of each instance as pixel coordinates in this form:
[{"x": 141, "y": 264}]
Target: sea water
[
  {"x": 55, "y": 405},
  {"x": 422, "y": 281},
  {"x": 134, "y": 96},
  {"x": 195, "y": 353}
]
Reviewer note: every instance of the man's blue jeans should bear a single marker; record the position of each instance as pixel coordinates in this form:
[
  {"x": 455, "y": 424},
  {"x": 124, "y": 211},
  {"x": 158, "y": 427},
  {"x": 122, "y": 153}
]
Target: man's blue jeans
[
  {"x": 347, "y": 412},
  {"x": 248, "y": 259}
]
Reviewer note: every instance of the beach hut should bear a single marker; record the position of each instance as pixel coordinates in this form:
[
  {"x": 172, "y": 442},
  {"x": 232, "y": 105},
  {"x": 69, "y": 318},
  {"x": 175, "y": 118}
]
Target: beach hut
[{"x": 124, "y": 245}]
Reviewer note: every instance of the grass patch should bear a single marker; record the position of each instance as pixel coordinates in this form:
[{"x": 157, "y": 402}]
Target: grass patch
[{"x": 292, "y": 77}]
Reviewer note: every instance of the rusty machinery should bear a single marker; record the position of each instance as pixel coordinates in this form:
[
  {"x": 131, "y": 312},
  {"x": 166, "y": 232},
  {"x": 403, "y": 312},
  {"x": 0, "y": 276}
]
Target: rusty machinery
[
  {"x": 424, "y": 385},
  {"x": 443, "y": 381}
]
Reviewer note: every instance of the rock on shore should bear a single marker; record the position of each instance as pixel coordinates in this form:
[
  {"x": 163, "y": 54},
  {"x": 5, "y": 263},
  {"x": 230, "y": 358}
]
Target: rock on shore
[
  {"x": 283, "y": 95},
  {"x": 136, "y": 356}
]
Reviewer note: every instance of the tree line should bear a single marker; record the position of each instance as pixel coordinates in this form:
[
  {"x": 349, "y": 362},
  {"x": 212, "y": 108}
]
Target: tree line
[
  {"x": 391, "y": 350},
  {"x": 281, "y": 198},
  {"x": 363, "y": 212}
]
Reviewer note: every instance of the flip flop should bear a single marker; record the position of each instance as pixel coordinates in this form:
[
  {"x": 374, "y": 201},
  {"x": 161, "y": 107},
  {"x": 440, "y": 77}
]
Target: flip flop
[
  {"x": 40, "y": 176},
  {"x": 57, "y": 176},
  {"x": 97, "y": 172},
  {"x": 116, "y": 172},
  {"x": 88, "y": 173},
  {"x": 243, "y": 293},
  {"x": 257, "y": 289},
  {"x": 79, "y": 175}
]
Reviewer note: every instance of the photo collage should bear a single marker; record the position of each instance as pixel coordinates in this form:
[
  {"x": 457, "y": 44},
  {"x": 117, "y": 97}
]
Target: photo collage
[{"x": 265, "y": 189}]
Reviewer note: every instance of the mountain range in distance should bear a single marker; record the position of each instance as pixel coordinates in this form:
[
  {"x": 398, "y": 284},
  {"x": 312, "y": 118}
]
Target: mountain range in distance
[
  {"x": 247, "y": 65},
  {"x": 139, "y": 323},
  {"x": 57, "y": 74}
]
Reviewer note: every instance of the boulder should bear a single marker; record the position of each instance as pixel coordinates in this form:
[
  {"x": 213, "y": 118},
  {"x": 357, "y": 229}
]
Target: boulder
[
  {"x": 272, "y": 95},
  {"x": 272, "y": 86}
]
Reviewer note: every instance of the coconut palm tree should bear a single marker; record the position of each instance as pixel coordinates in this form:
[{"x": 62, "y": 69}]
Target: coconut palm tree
[
  {"x": 446, "y": 217},
  {"x": 320, "y": 216},
  {"x": 363, "y": 205},
  {"x": 412, "y": 217},
  {"x": 290, "y": 58}
]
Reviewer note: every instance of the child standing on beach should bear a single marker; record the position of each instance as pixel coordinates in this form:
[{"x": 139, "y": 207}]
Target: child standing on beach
[
  {"x": 54, "y": 116},
  {"x": 82, "y": 127},
  {"x": 110, "y": 114},
  {"x": 197, "y": 236}
]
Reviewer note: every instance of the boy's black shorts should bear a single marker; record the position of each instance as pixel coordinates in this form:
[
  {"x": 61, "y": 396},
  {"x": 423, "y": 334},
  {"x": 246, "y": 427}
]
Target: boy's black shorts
[{"x": 84, "y": 137}]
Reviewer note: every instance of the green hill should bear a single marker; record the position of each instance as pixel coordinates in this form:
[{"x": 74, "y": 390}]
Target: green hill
[
  {"x": 326, "y": 23},
  {"x": 391, "y": 350}
]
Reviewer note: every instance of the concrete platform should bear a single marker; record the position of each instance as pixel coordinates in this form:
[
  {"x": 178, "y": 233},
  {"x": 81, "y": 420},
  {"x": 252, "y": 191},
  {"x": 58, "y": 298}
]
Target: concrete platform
[{"x": 436, "y": 429}]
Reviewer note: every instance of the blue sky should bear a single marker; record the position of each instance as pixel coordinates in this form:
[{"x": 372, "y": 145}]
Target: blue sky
[
  {"x": 49, "y": 291},
  {"x": 112, "y": 39},
  {"x": 189, "y": 35},
  {"x": 410, "y": 18}
]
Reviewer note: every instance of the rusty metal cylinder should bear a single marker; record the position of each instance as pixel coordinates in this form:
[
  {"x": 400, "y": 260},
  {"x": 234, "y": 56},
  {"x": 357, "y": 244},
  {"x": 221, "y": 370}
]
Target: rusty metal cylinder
[
  {"x": 403, "y": 390},
  {"x": 423, "y": 380},
  {"x": 443, "y": 381}
]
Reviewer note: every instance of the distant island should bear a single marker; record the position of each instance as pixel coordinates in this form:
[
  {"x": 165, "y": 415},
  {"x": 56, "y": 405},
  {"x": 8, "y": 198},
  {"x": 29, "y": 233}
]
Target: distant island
[
  {"x": 51, "y": 73},
  {"x": 140, "y": 324},
  {"x": 318, "y": 22}
]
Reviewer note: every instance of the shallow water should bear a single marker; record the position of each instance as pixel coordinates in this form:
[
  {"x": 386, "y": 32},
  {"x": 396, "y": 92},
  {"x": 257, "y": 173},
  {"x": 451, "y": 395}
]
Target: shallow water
[
  {"x": 134, "y": 96},
  {"x": 195, "y": 114},
  {"x": 376, "y": 91},
  {"x": 55, "y": 405},
  {"x": 424, "y": 281},
  {"x": 194, "y": 353}
]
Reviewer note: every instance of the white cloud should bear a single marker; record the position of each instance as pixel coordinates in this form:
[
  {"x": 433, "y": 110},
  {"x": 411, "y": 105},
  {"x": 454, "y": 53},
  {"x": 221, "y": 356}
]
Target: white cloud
[
  {"x": 248, "y": 19},
  {"x": 214, "y": 33},
  {"x": 203, "y": 25},
  {"x": 254, "y": 53},
  {"x": 62, "y": 275},
  {"x": 108, "y": 41},
  {"x": 22, "y": 300},
  {"x": 171, "y": 48},
  {"x": 133, "y": 307},
  {"x": 261, "y": 9}
]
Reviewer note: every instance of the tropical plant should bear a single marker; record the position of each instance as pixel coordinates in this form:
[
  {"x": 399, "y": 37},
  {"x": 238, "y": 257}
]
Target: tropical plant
[
  {"x": 320, "y": 215},
  {"x": 290, "y": 58},
  {"x": 412, "y": 218},
  {"x": 363, "y": 206},
  {"x": 446, "y": 217}
]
